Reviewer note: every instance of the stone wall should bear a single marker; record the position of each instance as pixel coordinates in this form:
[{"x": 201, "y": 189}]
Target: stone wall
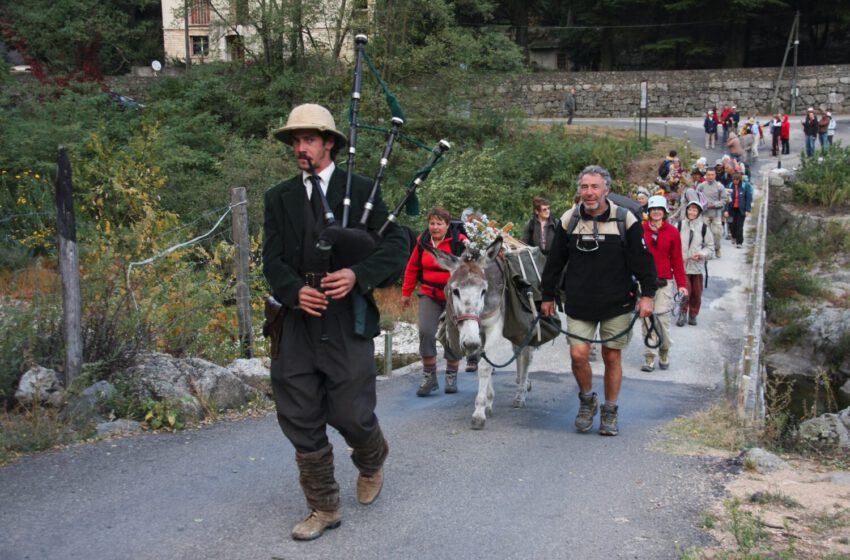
[{"x": 681, "y": 93}]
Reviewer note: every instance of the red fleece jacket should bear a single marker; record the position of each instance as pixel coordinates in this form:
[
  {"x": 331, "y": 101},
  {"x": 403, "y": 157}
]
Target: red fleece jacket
[
  {"x": 667, "y": 252},
  {"x": 434, "y": 278}
]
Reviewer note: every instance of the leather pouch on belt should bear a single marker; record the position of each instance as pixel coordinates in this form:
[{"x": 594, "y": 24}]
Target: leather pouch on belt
[{"x": 273, "y": 325}]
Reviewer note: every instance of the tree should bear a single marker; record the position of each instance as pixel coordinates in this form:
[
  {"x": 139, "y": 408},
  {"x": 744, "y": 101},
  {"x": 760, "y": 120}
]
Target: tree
[
  {"x": 87, "y": 38},
  {"x": 277, "y": 33}
]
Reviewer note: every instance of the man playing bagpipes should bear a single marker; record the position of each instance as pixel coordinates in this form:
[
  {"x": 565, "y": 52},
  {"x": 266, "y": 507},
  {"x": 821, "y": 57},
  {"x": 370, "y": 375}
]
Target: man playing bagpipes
[{"x": 323, "y": 366}]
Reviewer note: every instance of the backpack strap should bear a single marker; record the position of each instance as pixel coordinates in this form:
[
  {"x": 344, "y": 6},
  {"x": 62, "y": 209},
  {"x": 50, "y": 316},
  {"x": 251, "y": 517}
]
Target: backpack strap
[
  {"x": 573, "y": 223},
  {"x": 622, "y": 215}
]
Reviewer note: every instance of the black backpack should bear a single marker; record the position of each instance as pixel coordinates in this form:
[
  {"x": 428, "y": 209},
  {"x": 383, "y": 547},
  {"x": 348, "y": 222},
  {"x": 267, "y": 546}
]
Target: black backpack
[{"x": 410, "y": 235}]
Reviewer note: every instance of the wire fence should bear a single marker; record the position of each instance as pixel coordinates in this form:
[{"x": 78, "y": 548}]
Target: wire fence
[{"x": 167, "y": 286}]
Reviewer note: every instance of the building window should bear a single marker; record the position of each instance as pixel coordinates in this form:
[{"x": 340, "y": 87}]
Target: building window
[
  {"x": 235, "y": 48},
  {"x": 562, "y": 61},
  {"x": 199, "y": 12},
  {"x": 200, "y": 45}
]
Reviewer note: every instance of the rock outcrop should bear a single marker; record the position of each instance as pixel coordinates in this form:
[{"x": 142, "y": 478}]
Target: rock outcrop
[{"x": 192, "y": 384}]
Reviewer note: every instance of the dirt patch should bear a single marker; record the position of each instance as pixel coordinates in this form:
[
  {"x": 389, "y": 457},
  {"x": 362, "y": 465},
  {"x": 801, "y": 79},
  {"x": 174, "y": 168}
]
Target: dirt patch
[{"x": 802, "y": 510}]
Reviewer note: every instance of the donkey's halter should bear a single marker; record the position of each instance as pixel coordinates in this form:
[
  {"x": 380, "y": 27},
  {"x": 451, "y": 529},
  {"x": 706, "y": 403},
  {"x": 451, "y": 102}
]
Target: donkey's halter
[{"x": 459, "y": 318}]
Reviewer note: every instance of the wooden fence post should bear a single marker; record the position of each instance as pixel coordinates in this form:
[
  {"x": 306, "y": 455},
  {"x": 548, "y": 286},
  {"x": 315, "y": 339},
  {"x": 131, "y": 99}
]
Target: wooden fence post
[
  {"x": 69, "y": 268},
  {"x": 242, "y": 242}
]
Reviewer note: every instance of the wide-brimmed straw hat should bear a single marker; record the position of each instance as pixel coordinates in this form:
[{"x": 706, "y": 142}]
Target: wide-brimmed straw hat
[{"x": 310, "y": 116}]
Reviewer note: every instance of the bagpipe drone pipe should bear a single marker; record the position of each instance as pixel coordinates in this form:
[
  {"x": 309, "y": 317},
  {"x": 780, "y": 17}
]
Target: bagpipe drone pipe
[{"x": 350, "y": 244}]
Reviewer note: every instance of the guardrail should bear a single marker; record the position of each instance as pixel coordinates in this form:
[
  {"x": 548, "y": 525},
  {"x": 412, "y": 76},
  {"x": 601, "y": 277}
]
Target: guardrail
[{"x": 751, "y": 371}]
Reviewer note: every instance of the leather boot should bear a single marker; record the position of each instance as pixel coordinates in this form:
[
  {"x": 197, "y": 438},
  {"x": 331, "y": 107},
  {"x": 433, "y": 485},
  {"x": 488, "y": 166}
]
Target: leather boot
[
  {"x": 429, "y": 383},
  {"x": 316, "y": 470},
  {"x": 451, "y": 381},
  {"x": 315, "y": 524},
  {"x": 369, "y": 459}
]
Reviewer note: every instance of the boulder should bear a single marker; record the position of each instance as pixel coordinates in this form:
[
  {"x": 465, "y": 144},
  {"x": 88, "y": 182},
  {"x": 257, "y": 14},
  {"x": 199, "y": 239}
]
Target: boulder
[
  {"x": 87, "y": 404},
  {"x": 827, "y": 430},
  {"x": 253, "y": 372},
  {"x": 118, "y": 426},
  {"x": 791, "y": 365},
  {"x": 193, "y": 384},
  {"x": 765, "y": 461},
  {"x": 42, "y": 385},
  {"x": 217, "y": 386}
]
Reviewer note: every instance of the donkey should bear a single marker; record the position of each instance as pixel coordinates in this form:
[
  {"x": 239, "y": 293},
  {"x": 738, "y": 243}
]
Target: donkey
[{"x": 474, "y": 319}]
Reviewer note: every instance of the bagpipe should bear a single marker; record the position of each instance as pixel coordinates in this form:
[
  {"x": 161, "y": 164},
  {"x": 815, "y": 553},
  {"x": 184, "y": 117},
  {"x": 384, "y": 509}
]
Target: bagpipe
[{"x": 351, "y": 244}]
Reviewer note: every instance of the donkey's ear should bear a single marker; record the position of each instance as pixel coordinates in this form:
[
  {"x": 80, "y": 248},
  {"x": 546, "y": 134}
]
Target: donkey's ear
[
  {"x": 493, "y": 249},
  {"x": 445, "y": 260}
]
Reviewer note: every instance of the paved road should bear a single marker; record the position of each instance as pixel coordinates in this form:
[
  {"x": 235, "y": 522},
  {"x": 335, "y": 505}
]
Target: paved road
[{"x": 526, "y": 487}]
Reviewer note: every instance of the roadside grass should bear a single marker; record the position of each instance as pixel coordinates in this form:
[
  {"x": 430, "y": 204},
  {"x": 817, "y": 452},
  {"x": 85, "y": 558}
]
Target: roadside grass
[
  {"x": 389, "y": 302},
  {"x": 717, "y": 427},
  {"x": 28, "y": 430}
]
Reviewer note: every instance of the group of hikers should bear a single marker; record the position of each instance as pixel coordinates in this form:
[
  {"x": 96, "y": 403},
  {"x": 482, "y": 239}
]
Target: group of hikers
[
  {"x": 605, "y": 265},
  {"x": 743, "y": 140}
]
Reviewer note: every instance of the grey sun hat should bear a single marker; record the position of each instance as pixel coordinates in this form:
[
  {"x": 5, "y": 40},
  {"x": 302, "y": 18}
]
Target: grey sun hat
[{"x": 310, "y": 116}]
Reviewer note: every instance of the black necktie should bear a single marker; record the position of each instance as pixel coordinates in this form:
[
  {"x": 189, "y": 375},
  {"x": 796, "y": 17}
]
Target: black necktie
[{"x": 316, "y": 199}]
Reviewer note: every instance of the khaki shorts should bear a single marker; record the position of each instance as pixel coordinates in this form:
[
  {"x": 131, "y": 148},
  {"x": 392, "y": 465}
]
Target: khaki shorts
[{"x": 607, "y": 329}]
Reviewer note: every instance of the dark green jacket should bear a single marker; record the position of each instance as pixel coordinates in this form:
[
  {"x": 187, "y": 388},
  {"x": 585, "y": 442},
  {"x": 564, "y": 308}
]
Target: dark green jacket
[{"x": 282, "y": 244}]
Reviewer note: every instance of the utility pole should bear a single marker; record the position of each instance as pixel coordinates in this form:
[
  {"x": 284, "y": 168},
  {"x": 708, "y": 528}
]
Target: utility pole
[
  {"x": 794, "y": 74},
  {"x": 774, "y": 100}
]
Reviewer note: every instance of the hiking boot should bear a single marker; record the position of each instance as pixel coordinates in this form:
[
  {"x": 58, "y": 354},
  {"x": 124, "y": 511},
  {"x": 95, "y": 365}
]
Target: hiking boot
[
  {"x": 429, "y": 383},
  {"x": 315, "y": 524},
  {"x": 471, "y": 365},
  {"x": 663, "y": 359},
  {"x": 586, "y": 411},
  {"x": 717, "y": 253},
  {"x": 680, "y": 322},
  {"x": 692, "y": 321},
  {"x": 451, "y": 381},
  {"x": 369, "y": 487},
  {"x": 648, "y": 363},
  {"x": 608, "y": 420}
]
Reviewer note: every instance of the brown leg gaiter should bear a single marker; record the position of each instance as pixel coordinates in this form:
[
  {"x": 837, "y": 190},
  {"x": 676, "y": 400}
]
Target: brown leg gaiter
[
  {"x": 369, "y": 457},
  {"x": 317, "y": 479}
]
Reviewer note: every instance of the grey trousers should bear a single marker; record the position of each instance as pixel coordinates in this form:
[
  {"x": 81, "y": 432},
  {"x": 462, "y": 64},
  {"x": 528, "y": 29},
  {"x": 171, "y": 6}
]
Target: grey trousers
[{"x": 429, "y": 318}]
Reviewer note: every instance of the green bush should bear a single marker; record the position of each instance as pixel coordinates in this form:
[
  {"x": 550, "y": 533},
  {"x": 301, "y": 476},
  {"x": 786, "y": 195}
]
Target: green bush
[
  {"x": 502, "y": 178},
  {"x": 30, "y": 334},
  {"x": 825, "y": 178}
]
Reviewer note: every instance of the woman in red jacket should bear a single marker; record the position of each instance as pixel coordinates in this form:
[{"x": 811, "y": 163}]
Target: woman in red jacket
[
  {"x": 665, "y": 244},
  {"x": 422, "y": 268},
  {"x": 785, "y": 134}
]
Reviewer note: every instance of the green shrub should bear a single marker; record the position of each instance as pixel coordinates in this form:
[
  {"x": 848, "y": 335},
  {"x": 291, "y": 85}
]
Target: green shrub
[
  {"x": 825, "y": 178},
  {"x": 30, "y": 333}
]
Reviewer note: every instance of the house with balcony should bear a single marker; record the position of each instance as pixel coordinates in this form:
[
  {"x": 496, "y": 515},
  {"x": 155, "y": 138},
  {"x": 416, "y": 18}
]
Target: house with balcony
[{"x": 206, "y": 30}]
